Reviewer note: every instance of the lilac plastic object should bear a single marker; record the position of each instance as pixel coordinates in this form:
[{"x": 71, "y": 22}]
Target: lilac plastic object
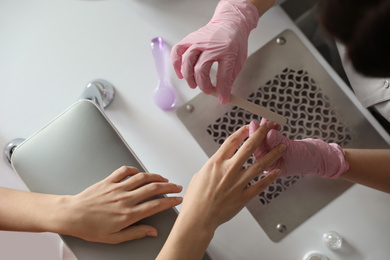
[{"x": 164, "y": 95}]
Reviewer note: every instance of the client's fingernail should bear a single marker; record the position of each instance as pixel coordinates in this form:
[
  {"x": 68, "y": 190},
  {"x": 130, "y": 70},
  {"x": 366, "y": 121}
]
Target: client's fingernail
[
  {"x": 282, "y": 148},
  {"x": 270, "y": 124},
  {"x": 179, "y": 199},
  {"x": 152, "y": 233},
  {"x": 277, "y": 172},
  {"x": 179, "y": 187}
]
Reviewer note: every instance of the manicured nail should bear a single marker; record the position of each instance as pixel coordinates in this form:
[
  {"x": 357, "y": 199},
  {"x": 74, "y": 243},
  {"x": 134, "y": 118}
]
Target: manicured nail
[
  {"x": 277, "y": 172},
  {"x": 152, "y": 234},
  {"x": 270, "y": 124},
  {"x": 282, "y": 148},
  {"x": 179, "y": 187},
  {"x": 179, "y": 199}
]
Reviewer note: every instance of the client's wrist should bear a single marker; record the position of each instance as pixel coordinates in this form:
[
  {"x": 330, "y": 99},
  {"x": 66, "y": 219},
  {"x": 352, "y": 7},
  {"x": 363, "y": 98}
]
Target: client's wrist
[
  {"x": 195, "y": 223},
  {"x": 198, "y": 230},
  {"x": 60, "y": 217}
]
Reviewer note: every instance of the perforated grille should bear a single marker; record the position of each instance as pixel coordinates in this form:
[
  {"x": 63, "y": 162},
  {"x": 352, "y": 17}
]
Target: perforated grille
[{"x": 294, "y": 94}]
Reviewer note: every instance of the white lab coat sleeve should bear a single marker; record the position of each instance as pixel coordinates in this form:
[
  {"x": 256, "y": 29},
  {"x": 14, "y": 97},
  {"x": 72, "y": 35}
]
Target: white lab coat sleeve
[{"x": 371, "y": 92}]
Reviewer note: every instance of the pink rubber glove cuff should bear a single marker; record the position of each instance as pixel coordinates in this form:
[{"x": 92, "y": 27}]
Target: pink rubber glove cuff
[
  {"x": 246, "y": 14},
  {"x": 307, "y": 156},
  {"x": 224, "y": 40}
]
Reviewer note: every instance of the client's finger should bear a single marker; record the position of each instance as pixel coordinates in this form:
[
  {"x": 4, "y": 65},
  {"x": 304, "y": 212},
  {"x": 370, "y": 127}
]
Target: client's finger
[
  {"x": 153, "y": 189},
  {"x": 264, "y": 163},
  {"x": 151, "y": 207},
  {"x": 261, "y": 185},
  {"x": 122, "y": 173},
  {"x": 141, "y": 179},
  {"x": 265, "y": 120},
  {"x": 250, "y": 145},
  {"x": 131, "y": 233},
  {"x": 229, "y": 147},
  {"x": 253, "y": 126}
]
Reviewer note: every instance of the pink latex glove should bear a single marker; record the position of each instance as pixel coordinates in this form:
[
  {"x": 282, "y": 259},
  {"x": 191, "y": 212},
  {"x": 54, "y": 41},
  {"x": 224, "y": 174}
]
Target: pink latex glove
[
  {"x": 307, "y": 156},
  {"x": 224, "y": 40}
]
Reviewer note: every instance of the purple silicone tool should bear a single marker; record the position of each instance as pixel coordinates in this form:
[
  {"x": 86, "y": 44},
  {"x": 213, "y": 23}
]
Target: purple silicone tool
[{"x": 164, "y": 95}]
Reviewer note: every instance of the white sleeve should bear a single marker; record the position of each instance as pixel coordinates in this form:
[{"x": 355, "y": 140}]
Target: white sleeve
[
  {"x": 369, "y": 90},
  {"x": 278, "y": 2}
]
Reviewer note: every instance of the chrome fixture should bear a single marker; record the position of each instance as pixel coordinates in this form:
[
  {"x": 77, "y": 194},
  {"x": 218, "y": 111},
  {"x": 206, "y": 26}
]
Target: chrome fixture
[
  {"x": 280, "y": 40},
  {"x": 281, "y": 228},
  {"x": 100, "y": 91},
  {"x": 9, "y": 149}
]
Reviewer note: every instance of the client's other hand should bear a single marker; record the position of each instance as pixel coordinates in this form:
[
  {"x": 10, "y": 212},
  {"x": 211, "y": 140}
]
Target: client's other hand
[{"x": 105, "y": 211}]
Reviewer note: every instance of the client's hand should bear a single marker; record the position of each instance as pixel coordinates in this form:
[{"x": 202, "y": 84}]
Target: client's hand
[
  {"x": 220, "y": 189},
  {"x": 104, "y": 211},
  {"x": 307, "y": 156},
  {"x": 218, "y": 192}
]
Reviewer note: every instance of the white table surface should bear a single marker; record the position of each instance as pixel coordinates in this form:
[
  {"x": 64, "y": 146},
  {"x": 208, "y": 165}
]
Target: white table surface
[{"x": 49, "y": 50}]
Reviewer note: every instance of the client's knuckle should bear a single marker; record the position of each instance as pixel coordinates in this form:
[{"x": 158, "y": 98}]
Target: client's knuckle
[
  {"x": 260, "y": 166},
  {"x": 156, "y": 204},
  {"x": 153, "y": 187},
  {"x": 122, "y": 169},
  {"x": 142, "y": 176},
  {"x": 233, "y": 139}
]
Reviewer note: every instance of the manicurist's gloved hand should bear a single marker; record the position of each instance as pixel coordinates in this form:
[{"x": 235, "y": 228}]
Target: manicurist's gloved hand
[
  {"x": 307, "y": 156},
  {"x": 224, "y": 40}
]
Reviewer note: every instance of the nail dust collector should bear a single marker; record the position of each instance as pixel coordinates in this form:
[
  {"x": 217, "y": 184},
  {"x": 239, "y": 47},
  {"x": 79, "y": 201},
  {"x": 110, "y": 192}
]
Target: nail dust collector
[{"x": 285, "y": 77}]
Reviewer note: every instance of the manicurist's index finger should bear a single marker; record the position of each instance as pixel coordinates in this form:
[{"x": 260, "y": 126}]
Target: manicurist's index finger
[{"x": 176, "y": 58}]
